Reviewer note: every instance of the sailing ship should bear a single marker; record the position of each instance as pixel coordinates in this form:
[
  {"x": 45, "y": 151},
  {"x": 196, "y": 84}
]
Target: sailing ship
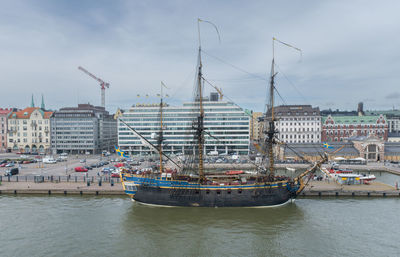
[{"x": 197, "y": 188}]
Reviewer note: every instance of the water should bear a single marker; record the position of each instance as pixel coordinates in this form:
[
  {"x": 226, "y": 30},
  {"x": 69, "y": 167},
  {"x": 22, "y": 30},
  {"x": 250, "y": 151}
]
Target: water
[{"x": 115, "y": 226}]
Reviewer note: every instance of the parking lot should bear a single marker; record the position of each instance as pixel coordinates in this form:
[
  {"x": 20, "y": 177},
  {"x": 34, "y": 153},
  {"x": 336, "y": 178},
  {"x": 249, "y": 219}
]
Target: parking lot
[
  {"x": 61, "y": 168},
  {"x": 68, "y": 165}
]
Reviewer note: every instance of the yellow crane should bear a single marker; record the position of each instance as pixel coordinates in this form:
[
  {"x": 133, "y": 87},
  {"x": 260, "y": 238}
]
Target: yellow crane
[{"x": 219, "y": 90}]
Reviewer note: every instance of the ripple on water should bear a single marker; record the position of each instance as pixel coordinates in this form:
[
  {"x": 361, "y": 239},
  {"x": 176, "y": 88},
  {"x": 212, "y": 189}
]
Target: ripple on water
[{"x": 114, "y": 226}]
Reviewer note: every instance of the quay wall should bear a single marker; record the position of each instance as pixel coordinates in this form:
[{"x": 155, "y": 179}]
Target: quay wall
[{"x": 313, "y": 189}]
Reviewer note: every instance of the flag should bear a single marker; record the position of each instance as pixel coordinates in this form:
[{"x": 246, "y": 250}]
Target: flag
[
  {"x": 120, "y": 153},
  {"x": 328, "y": 146}
]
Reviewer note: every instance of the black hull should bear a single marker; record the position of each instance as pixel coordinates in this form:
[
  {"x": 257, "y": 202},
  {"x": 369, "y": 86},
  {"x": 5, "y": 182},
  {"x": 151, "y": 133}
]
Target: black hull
[{"x": 212, "y": 198}]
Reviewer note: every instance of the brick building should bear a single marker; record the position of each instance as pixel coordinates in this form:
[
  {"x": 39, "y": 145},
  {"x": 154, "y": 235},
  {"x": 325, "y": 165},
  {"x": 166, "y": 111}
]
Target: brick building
[{"x": 340, "y": 128}]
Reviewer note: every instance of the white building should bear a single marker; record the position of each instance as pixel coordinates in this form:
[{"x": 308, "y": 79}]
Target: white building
[
  {"x": 29, "y": 130},
  {"x": 227, "y": 128},
  {"x": 298, "y": 123}
]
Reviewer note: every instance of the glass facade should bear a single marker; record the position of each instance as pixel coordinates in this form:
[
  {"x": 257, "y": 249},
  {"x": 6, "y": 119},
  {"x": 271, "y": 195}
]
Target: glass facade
[{"x": 227, "y": 128}]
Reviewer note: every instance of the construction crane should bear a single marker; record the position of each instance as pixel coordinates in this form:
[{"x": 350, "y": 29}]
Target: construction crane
[
  {"x": 103, "y": 85},
  {"x": 219, "y": 90}
]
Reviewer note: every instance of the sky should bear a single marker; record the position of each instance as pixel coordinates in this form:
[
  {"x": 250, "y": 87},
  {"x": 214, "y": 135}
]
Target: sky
[{"x": 350, "y": 52}]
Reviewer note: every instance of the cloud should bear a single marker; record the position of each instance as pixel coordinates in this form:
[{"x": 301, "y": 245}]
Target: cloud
[
  {"x": 394, "y": 95},
  {"x": 134, "y": 45}
]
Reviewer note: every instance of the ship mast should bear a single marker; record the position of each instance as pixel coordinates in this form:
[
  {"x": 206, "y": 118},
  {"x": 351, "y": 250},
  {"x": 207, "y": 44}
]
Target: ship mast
[
  {"x": 199, "y": 95},
  {"x": 160, "y": 136},
  {"x": 200, "y": 118},
  {"x": 270, "y": 141}
]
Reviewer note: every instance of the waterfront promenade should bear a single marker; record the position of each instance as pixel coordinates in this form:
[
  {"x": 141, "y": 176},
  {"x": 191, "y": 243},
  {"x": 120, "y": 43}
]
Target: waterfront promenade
[
  {"x": 61, "y": 188},
  {"x": 313, "y": 188},
  {"x": 332, "y": 188}
]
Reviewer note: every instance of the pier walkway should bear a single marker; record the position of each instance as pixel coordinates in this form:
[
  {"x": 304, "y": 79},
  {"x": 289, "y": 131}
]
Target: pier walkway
[
  {"x": 87, "y": 187},
  {"x": 331, "y": 188}
]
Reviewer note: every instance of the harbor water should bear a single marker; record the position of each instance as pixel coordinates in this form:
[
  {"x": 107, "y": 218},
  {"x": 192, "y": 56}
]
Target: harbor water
[{"x": 116, "y": 226}]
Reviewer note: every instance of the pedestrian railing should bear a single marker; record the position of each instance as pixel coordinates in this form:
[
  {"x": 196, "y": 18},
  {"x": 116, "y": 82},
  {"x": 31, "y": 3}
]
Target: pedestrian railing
[{"x": 60, "y": 179}]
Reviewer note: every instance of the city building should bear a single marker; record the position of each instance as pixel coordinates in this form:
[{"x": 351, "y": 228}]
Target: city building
[
  {"x": 227, "y": 128},
  {"x": 392, "y": 117},
  {"x": 354, "y": 150},
  {"x": 313, "y": 151},
  {"x": 29, "y": 130},
  {"x": 340, "y": 128},
  {"x": 3, "y": 128},
  {"x": 256, "y": 126},
  {"x": 84, "y": 129},
  {"x": 298, "y": 123}
]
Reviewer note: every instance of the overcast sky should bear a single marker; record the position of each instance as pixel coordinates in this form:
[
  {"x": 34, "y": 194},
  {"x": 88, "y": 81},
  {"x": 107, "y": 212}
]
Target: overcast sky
[{"x": 350, "y": 51}]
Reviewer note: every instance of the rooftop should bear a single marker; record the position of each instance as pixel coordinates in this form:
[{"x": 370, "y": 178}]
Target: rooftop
[
  {"x": 353, "y": 119},
  {"x": 26, "y": 113},
  {"x": 295, "y": 110}
]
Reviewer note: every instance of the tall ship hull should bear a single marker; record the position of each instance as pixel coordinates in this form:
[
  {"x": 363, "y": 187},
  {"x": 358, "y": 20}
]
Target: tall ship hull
[
  {"x": 261, "y": 196},
  {"x": 163, "y": 192}
]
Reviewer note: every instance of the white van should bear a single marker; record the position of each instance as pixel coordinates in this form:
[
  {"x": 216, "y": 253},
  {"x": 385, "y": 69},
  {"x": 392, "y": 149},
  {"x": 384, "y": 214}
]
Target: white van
[
  {"x": 213, "y": 153},
  {"x": 49, "y": 160}
]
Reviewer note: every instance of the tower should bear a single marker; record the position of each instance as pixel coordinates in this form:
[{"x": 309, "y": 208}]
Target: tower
[
  {"x": 42, "y": 105},
  {"x": 32, "y": 102}
]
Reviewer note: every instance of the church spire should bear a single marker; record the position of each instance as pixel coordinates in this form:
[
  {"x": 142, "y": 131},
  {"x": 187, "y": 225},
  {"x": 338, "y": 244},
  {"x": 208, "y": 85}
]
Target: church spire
[
  {"x": 32, "y": 102},
  {"x": 42, "y": 105}
]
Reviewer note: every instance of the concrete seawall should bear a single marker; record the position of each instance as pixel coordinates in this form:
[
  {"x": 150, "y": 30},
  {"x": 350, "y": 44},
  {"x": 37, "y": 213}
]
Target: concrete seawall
[
  {"x": 325, "y": 188},
  {"x": 63, "y": 188}
]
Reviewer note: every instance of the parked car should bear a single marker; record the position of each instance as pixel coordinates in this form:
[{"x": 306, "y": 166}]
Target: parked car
[
  {"x": 10, "y": 172},
  {"x": 49, "y": 160},
  {"x": 88, "y": 167},
  {"x": 81, "y": 169},
  {"x": 106, "y": 170},
  {"x": 82, "y": 161},
  {"x": 115, "y": 175},
  {"x": 11, "y": 164},
  {"x": 3, "y": 161},
  {"x": 26, "y": 162},
  {"x": 3, "y": 164},
  {"x": 93, "y": 165}
]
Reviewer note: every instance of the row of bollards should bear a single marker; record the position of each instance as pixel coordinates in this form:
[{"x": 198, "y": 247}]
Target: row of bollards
[{"x": 384, "y": 194}]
